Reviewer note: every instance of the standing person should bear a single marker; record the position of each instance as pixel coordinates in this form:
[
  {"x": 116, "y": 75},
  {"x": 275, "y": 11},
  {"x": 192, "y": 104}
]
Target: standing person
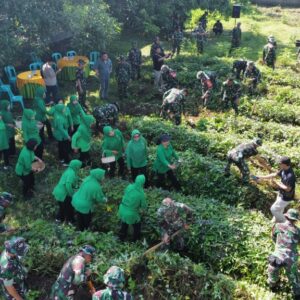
[
  {"x": 82, "y": 139},
  {"x": 10, "y": 124},
  {"x": 113, "y": 145},
  {"x": 239, "y": 68},
  {"x": 81, "y": 83},
  {"x": 49, "y": 76},
  {"x": 165, "y": 163},
  {"x": 137, "y": 156},
  {"x": 238, "y": 155},
  {"x": 133, "y": 203},
  {"x": 286, "y": 188},
  {"x": 218, "y": 28},
  {"x": 64, "y": 191},
  {"x": 203, "y": 20},
  {"x": 106, "y": 115},
  {"x": 30, "y": 130},
  {"x": 4, "y": 146},
  {"x": 24, "y": 167},
  {"x": 286, "y": 237},
  {"x": 103, "y": 68},
  {"x": 207, "y": 81},
  {"x": 85, "y": 198},
  {"x": 231, "y": 91},
  {"x": 236, "y": 37},
  {"x": 156, "y": 44},
  {"x": 12, "y": 272},
  {"x": 135, "y": 60},
  {"x": 6, "y": 199},
  {"x": 252, "y": 74},
  {"x": 41, "y": 113},
  {"x": 114, "y": 280},
  {"x": 76, "y": 112},
  {"x": 61, "y": 134},
  {"x": 200, "y": 35},
  {"x": 177, "y": 39},
  {"x": 75, "y": 271},
  {"x": 269, "y": 52},
  {"x": 123, "y": 75}
]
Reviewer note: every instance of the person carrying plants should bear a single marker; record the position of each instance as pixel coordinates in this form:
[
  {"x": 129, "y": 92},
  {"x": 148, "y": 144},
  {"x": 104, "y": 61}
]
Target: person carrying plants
[
  {"x": 207, "y": 81},
  {"x": 269, "y": 52},
  {"x": 4, "y": 144},
  {"x": 231, "y": 92},
  {"x": 106, "y": 115},
  {"x": 64, "y": 191},
  {"x": 85, "y": 198},
  {"x": 12, "y": 272},
  {"x": 286, "y": 237},
  {"x": 172, "y": 216},
  {"x": 286, "y": 188},
  {"x": 252, "y": 75},
  {"x": 238, "y": 155},
  {"x": 76, "y": 112},
  {"x": 165, "y": 163},
  {"x": 177, "y": 39},
  {"x": 82, "y": 139},
  {"x": 133, "y": 203},
  {"x": 114, "y": 145},
  {"x": 75, "y": 271},
  {"x": 135, "y": 60},
  {"x": 123, "y": 75},
  {"x": 114, "y": 280}
]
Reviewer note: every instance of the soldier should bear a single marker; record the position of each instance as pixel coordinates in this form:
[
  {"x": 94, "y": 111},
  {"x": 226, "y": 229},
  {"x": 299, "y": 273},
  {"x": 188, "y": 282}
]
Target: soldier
[
  {"x": 218, "y": 28},
  {"x": 203, "y": 20},
  {"x": 12, "y": 272},
  {"x": 168, "y": 79},
  {"x": 231, "y": 92},
  {"x": 236, "y": 37},
  {"x": 81, "y": 83},
  {"x": 74, "y": 272},
  {"x": 173, "y": 216},
  {"x": 269, "y": 52},
  {"x": 5, "y": 201},
  {"x": 207, "y": 81},
  {"x": 286, "y": 237},
  {"x": 123, "y": 74},
  {"x": 156, "y": 44},
  {"x": 238, "y": 155},
  {"x": 177, "y": 39},
  {"x": 200, "y": 35},
  {"x": 135, "y": 60},
  {"x": 107, "y": 115},
  {"x": 114, "y": 280},
  {"x": 239, "y": 68},
  {"x": 252, "y": 74},
  {"x": 173, "y": 104}
]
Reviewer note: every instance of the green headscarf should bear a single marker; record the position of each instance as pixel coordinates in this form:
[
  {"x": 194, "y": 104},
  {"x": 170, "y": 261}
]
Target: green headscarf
[
  {"x": 75, "y": 164},
  {"x": 88, "y": 120},
  {"x": 7, "y": 117},
  {"x": 115, "y": 142},
  {"x": 107, "y": 130},
  {"x": 75, "y": 109},
  {"x": 29, "y": 126},
  {"x": 97, "y": 173},
  {"x": 138, "y": 185},
  {"x": 60, "y": 108}
]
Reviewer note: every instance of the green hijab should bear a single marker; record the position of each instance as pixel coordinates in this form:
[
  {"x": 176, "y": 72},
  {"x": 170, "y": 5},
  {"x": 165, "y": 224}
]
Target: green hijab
[
  {"x": 75, "y": 164},
  {"x": 97, "y": 174},
  {"x": 5, "y": 112},
  {"x": 74, "y": 108}
]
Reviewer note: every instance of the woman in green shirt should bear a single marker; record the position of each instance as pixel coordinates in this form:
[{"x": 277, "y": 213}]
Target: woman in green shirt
[
  {"x": 133, "y": 202},
  {"x": 4, "y": 146},
  {"x": 165, "y": 163},
  {"x": 76, "y": 112}
]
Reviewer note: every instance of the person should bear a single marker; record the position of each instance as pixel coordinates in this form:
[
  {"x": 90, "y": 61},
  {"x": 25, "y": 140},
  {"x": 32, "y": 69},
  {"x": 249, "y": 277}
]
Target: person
[
  {"x": 24, "y": 167},
  {"x": 203, "y": 20},
  {"x": 200, "y": 35},
  {"x": 81, "y": 140},
  {"x": 75, "y": 271},
  {"x": 49, "y": 76},
  {"x": 238, "y": 155},
  {"x": 165, "y": 163},
  {"x": 113, "y": 145},
  {"x": 88, "y": 194},
  {"x": 4, "y": 145},
  {"x": 5, "y": 201},
  {"x": 252, "y": 74},
  {"x": 135, "y": 60},
  {"x": 106, "y": 115},
  {"x": 156, "y": 44},
  {"x": 207, "y": 81},
  {"x": 286, "y": 237},
  {"x": 218, "y": 28},
  {"x": 81, "y": 83},
  {"x": 41, "y": 113},
  {"x": 103, "y": 68},
  {"x": 114, "y": 280},
  {"x": 30, "y": 130},
  {"x": 173, "y": 216},
  {"x": 269, "y": 52},
  {"x": 123, "y": 75},
  {"x": 131, "y": 207},
  {"x": 231, "y": 91},
  {"x": 61, "y": 134},
  {"x": 10, "y": 124},
  {"x": 286, "y": 188},
  {"x": 239, "y": 68},
  {"x": 13, "y": 274},
  {"x": 173, "y": 104},
  {"x": 64, "y": 191},
  {"x": 177, "y": 39},
  {"x": 76, "y": 112},
  {"x": 236, "y": 37},
  {"x": 137, "y": 156},
  {"x": 168, "y": 79}
]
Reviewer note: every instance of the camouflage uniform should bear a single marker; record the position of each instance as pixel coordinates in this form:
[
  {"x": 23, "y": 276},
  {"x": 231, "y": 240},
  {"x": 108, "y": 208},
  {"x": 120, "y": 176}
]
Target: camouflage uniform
[
  {"x": 135, "y": 60},
  {"x": 173, "y": 104},
  {"x": 287, "y": 237},
  {"x": 269, "y": 55},
  {"x": 114, "y": 279},
  {"x": 231, "y": 93},
  {"x": 200, "y": 38},
  {"x": 177, "y": 40},
  {"x": 253, "y": 75},
  {"x": 154, "y": 46},
  {"x": 239, "y": 68},
  {"x": 107, "y": 115},
  {"x": 207, "y": 82},
  {"x": 236, "y": 37},
  {"x": 123, "y": 74},
  {"x": 12, "y": 272},
  {"x": 5, "y": 201},
  {"x": 168, "y": 80}
]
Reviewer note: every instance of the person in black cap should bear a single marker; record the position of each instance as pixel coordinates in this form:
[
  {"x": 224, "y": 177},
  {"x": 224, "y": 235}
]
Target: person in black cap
[
  {"x": 81, "y": 83},
  {"x": 286, "y": 188}
]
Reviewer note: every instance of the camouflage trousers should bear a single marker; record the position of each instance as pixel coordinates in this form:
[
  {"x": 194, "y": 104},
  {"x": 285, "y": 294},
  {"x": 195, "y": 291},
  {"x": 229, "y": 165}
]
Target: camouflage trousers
[
  {"x": 200, "y": 46},
  {"x": 172, "y": 113},
  {"x": 135, "y": 72},
  {"x": 234, "y": 103},
  {"x": 241, "y": 164},
  {"x": 176, "y": 48},
  {"x": 122, "y": 90},
  {"x": 59, "y": 293}
]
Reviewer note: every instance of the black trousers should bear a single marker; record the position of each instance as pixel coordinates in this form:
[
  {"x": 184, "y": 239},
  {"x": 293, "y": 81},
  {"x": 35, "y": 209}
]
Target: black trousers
[
  {"x": 48, "y": 126},
  {"x": 39, "y": 150},
  {"x": 82, "y": 97},
  {"x": 136, "y": 231},
  {"x": 63, "y": 151},
  {"x": 85, "y": 158},
  {"x": 5, "y": 154},
  {"x": 12, "y": 146},
  {"x": 233, "y": 102},
  {"x": 84, "y": 221},
  {"x": 28, "y": 183},
  {"x": 140, "y": 171},
  {"x": 113, "y": 166},
  {"x": 66, "y": 210},
  {"x": 161, "y": 180},
  {"x": 51, "y": 93}
]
